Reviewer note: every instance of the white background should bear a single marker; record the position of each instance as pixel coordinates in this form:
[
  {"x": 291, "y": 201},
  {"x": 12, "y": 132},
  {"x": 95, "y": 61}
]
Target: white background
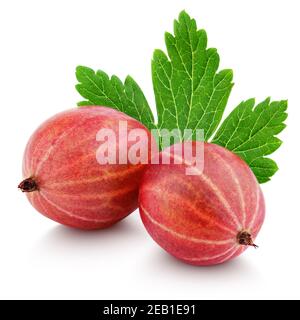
[{"x": 41, "y": 43}]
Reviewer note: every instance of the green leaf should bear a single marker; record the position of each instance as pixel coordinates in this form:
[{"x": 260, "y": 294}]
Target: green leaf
[
  {"x": 251, "y": 131},
  {"x": 263, "y": 168},
  {"x": 189, "y": 92},
  {"x": 101, "y": 90}
]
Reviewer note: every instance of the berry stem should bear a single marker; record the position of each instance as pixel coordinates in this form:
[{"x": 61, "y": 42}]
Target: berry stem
[
  {"x": 28, "y": 185},
  {"x": 244, "y": 238}
]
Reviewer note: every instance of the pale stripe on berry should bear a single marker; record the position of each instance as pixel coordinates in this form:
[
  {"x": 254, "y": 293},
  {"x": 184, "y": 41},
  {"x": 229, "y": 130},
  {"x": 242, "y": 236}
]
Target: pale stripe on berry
[
  {"x": 256, "y": 208},
  {"x": 191, "y": 206},
  {"x": 92, "y": 196},
  {"x": 207, "y": 258},
  {"x": 238, "y": 186},
  {"x": 70, "y": 214},
  {"x": 55, "y": 144},
  {"x": 107, "y": 175},
  {"x": 212, "y": 186},
  {"x": 231, "y": 255},
  {"x": 185, "y": 237}
]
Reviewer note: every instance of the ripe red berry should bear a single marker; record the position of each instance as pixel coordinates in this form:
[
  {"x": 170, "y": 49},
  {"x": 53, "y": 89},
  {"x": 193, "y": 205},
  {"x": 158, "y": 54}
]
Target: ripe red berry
[
  {"x": 202, "y": 219},
  {"x": 63, "y": 179}
]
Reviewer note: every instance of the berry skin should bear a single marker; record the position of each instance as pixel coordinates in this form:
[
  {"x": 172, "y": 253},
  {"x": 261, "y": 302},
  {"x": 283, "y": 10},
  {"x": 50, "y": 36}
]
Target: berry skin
[
  {"x": 203, "y": 219},
  {"x": 64, "y": 181}
]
